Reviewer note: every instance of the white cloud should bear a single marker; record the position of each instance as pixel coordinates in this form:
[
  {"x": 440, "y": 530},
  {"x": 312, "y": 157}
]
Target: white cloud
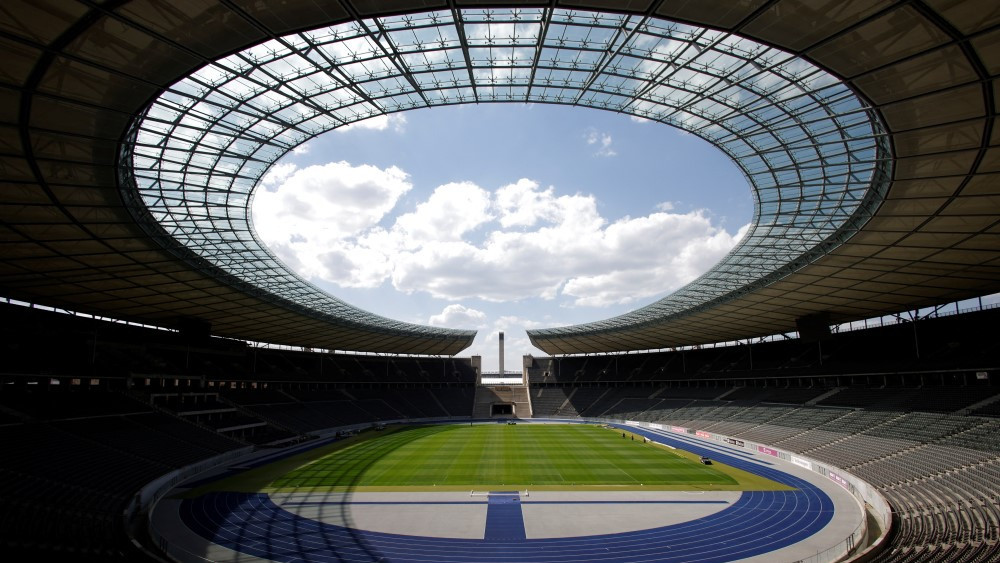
[
  {"x": 665, "y": 206},
  {"x": 452, "y": 210},
  {"x": 394, "y": 121},
  {"x": 352, "y": 265},
  {"x": 522, "y": 204},
  {"x": 602, "y": 141},
  {"x": 742, "y": 232},
  {"x": 302, "y": 149},
  {"x": 459, "y": 316},
  {"x": 277, "y": 175},
  {"x": 332, "y": 223},
  {"x": 315, "y": 209},
  {"x": 645, "y": 256}
]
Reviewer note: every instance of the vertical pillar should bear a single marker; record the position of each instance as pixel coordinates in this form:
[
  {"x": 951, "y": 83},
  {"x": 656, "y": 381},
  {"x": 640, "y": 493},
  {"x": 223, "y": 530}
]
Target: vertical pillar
[
  {"x": 477, "y": 364},
  {"x": 501, "y": 354}
]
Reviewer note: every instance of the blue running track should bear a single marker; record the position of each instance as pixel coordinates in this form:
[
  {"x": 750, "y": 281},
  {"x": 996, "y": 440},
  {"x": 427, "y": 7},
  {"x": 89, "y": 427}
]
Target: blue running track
[
  {"x": 757, "y": 523},
  {"x": 504, "y": 521}
]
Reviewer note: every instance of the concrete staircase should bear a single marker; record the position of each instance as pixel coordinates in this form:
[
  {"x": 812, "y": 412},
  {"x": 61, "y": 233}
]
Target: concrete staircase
[
  {"x": 522, "y": 401},
  {"x": 489, "y": 395}
]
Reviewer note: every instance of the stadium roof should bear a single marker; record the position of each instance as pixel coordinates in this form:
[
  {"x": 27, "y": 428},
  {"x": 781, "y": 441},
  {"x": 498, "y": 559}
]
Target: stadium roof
[{"x": 135, "y": 132}]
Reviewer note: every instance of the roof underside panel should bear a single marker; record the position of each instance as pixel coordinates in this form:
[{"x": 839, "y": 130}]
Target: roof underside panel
[{"x": 884, "y": 141}]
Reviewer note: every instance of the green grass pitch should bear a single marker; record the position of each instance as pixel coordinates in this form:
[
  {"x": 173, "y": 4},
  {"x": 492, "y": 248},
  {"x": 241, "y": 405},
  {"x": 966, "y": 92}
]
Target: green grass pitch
[{"x": 491, "y": 456}]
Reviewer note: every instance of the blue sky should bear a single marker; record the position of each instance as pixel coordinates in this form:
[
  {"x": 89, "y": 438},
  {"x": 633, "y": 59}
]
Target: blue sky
[{"x": 502, "y": 216}]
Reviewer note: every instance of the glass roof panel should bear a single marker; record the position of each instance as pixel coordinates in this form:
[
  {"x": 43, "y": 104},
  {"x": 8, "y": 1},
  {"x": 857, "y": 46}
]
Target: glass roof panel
[{"x": 813, "y": 151}]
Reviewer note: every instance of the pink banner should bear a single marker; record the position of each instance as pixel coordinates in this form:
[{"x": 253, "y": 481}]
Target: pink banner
[
  {"x": 702, "y": 434},
  {"x": 839, "y": 480},
  {"x": 679, "y": 430},
  {"x": 767, "y": 450}
]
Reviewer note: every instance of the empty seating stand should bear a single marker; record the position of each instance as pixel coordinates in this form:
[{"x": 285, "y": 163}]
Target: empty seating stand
[
  {"x": 924, "y": 432},
  {"x": 66, "y": 500},
  {"x": 940, "y": 471}
]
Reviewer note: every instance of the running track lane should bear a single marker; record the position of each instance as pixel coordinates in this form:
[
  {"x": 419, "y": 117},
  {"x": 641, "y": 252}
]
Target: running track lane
[
  {"x": 759, "y": 522},
  {"x": 504, "y": 521}
]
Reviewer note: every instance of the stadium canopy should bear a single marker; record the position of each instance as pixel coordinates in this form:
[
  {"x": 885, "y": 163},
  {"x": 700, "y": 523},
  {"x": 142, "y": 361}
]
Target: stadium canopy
[{"x": 136, "y": 131}]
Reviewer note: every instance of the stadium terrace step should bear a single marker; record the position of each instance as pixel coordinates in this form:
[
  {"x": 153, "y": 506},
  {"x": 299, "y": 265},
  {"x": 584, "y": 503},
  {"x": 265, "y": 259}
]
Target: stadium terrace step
[
  {"x": 507, "y": 401},
  {"x": 976, "y": 406},
  {"x": 824, "y": 396}
]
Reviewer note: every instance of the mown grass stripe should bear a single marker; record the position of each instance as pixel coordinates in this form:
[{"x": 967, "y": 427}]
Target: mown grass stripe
[
  {"x": 491, "y": 457},
  {"x": 501, "y": 454}
]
